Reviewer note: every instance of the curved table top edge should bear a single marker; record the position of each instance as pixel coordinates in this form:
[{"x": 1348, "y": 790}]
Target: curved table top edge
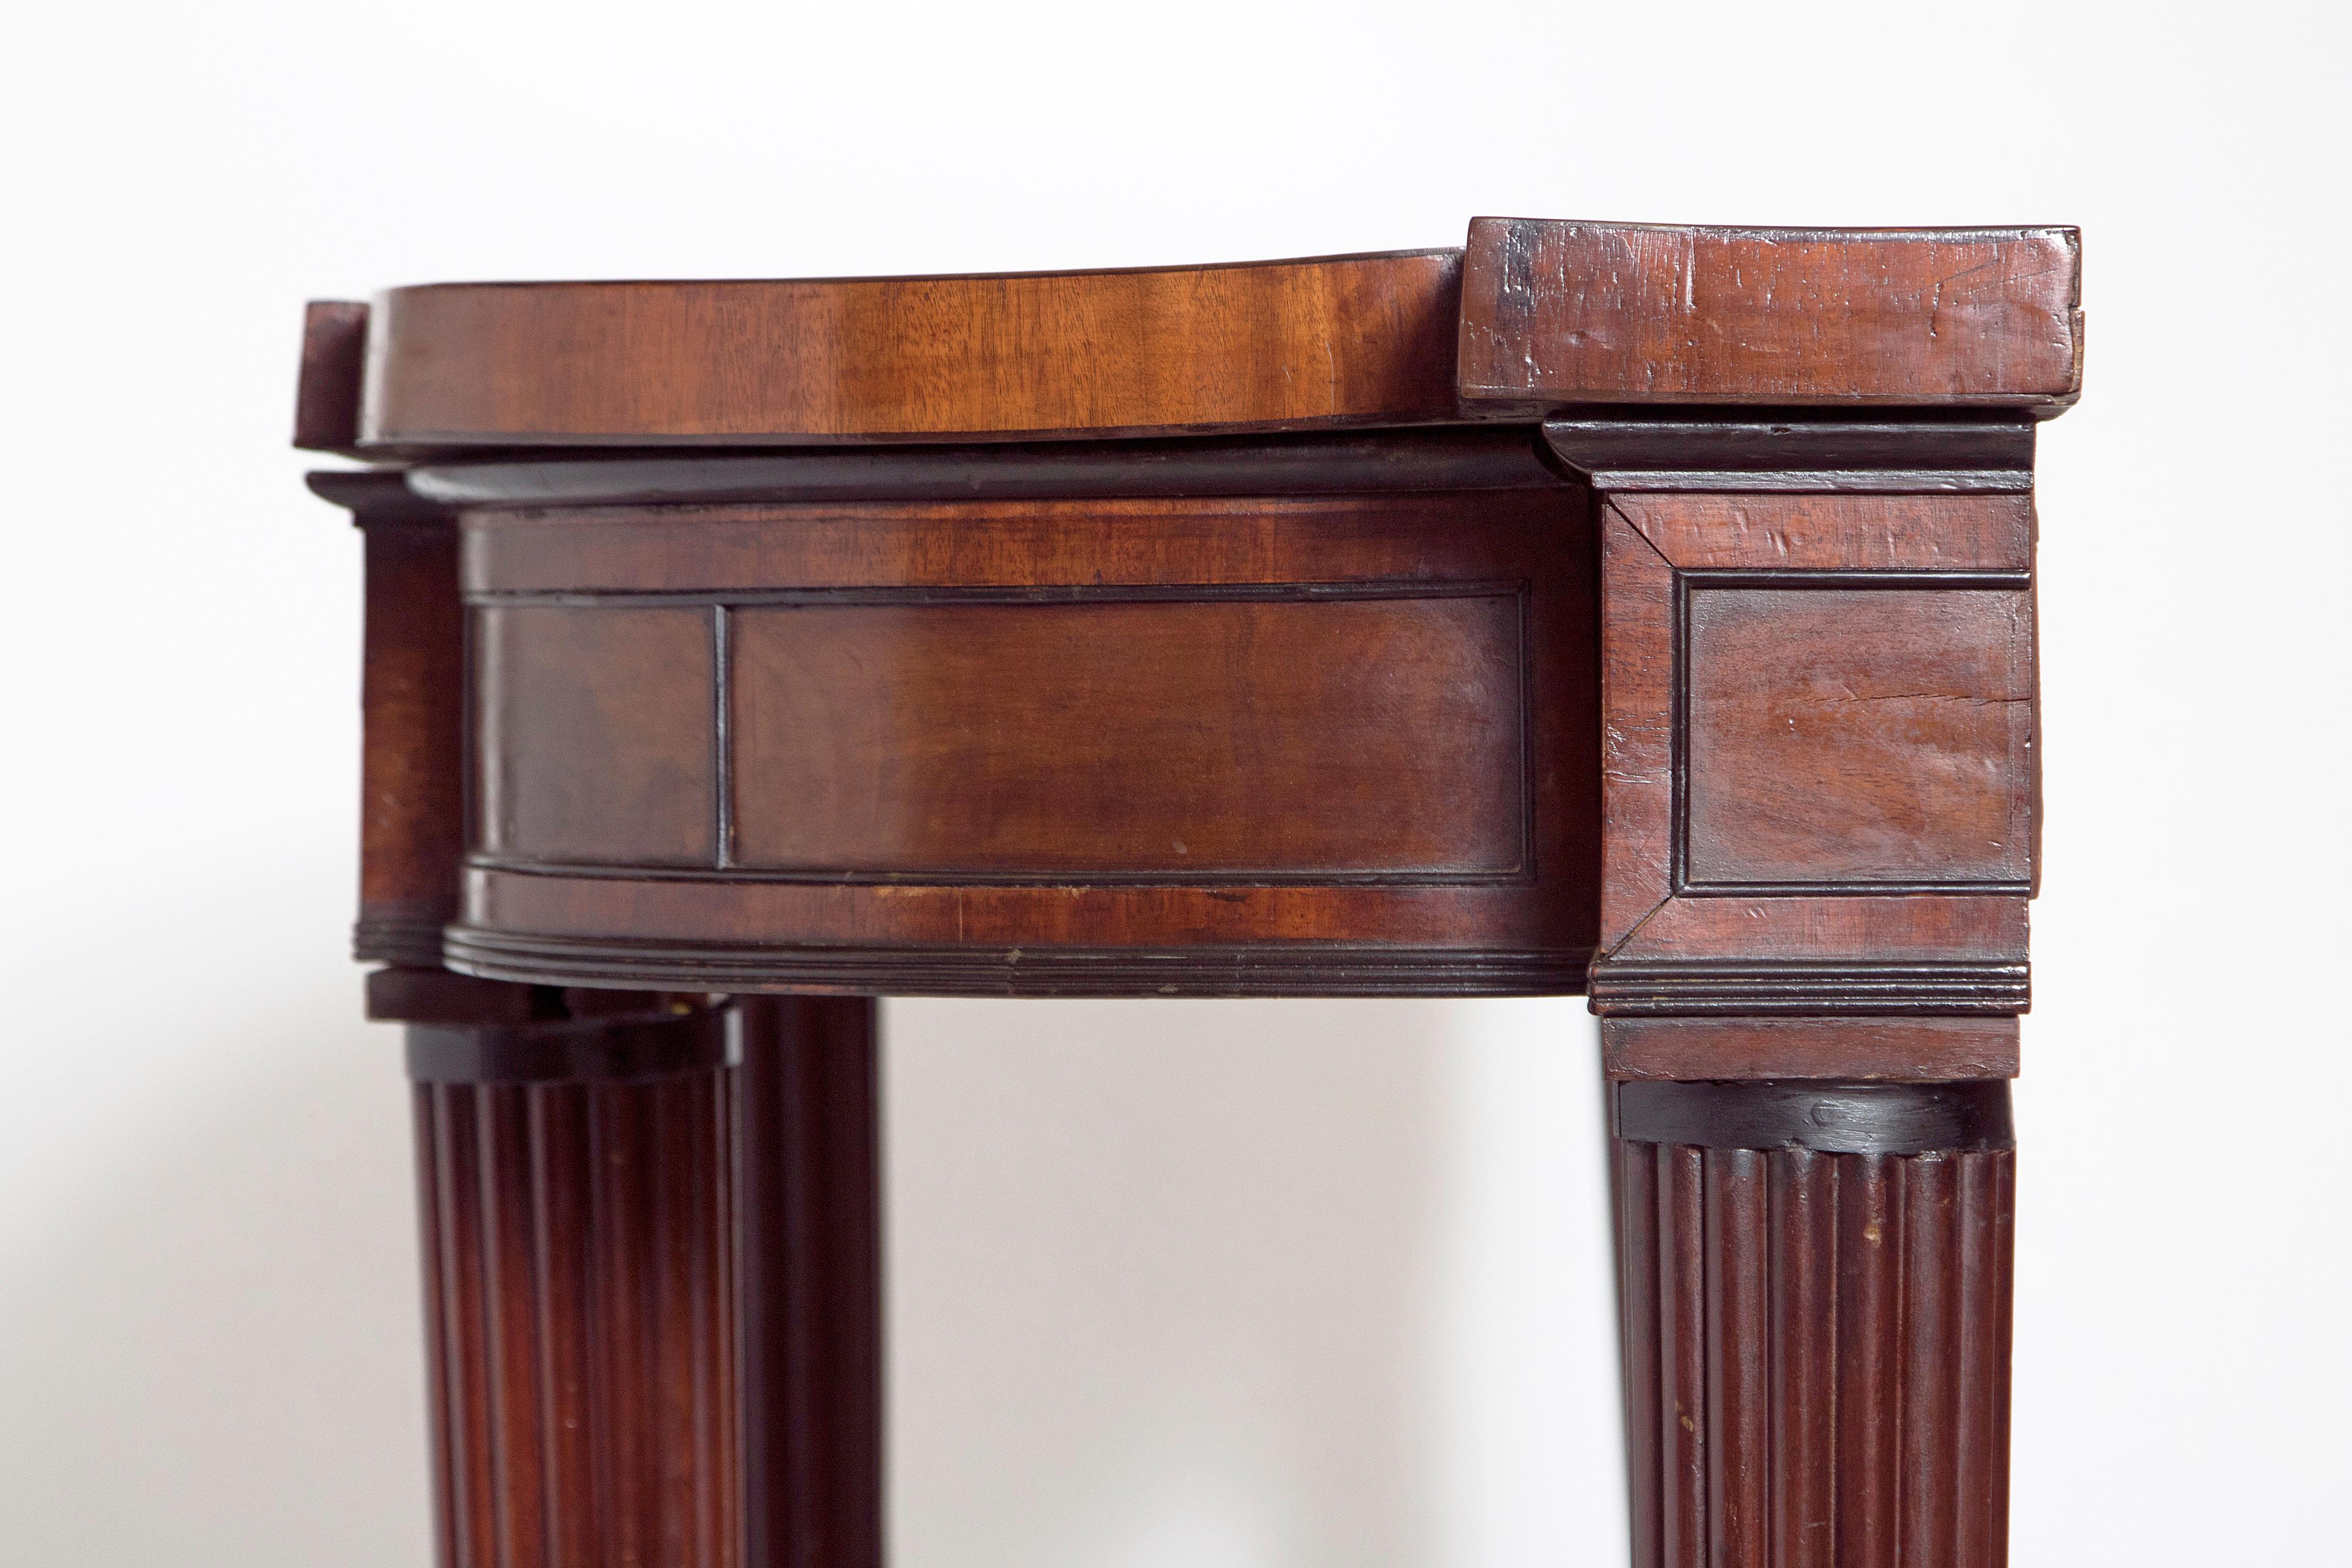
[{"x": 1530, "y": 316}]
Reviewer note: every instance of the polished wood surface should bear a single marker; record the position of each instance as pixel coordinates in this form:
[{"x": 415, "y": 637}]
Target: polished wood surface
[
  {"x": 412, "y": 781},
  {"x": 580, "y": 1305},
  {"x": 1636, "y": 609},
  {"x": 1868, "y": 734},
  {"x": 809, "y": 1246},
  {"x": 1388, "y": 463},
  {"x": 1344, "y": 741},
  {"x": 594, "y": 735},
  {"x": 1819, "y": 750},
  {"x": 1743, "y": 1046},
  {"x": 1557, "y": 313},
  {"x": 1278, "y": 345},
  {"x": 653, "y": 1280},
  {"x": 1532, "y": 315},
  {"x": 1030, "y": 692},
  {"x": 1820, "y": 820},
  {"x": 1816, "y": 1354},
  {"x": 334, "y": 374},
  {"x": 1054, "y": 741}
]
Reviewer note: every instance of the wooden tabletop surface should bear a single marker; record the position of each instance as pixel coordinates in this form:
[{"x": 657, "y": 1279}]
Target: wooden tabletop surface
[{"x": 1530, "y": 315}]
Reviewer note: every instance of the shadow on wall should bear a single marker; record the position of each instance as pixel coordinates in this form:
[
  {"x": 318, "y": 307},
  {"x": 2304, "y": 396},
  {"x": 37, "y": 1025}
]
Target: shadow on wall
[
  {"x": 1252, "y": 1283},
  {"x": 1285, "y": 1283},
  {"x": 210, "y": 1352}
]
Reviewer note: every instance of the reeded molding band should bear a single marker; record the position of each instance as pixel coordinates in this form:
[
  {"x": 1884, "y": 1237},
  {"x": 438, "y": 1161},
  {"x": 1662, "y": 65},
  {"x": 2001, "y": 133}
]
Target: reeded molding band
[
  {"x": 1266, "y": 968},
  {"x": 1834, "y": 1118},
  {"x": 1683, "y": 987}
]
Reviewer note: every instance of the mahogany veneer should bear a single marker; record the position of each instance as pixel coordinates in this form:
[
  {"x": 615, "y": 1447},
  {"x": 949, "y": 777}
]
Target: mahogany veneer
[
  {"x": 1290, "y": 345},
  {"x": 1061, "y": 739},
  {"x": 1646, "y": 612}
]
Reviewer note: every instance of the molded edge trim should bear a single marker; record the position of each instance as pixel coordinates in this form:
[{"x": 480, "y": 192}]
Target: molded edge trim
[
  {"x": 1438, "y": 458},
  {"x": 1265, "y": 970}
]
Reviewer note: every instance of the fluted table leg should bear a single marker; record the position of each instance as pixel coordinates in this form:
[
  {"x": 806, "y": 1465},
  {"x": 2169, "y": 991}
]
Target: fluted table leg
[
  {"x": 1816, "y": 1295},
  {"x": 651, "y": 1280}
]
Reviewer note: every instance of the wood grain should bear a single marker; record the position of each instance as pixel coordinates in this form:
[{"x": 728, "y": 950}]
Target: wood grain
[
  {"x": 1557, "y": 313},
  {"x": 1048, "y": 546},
  {"x": 1178, "y": 631},
  {"x": 1798, "y": 1355},
  {"x": 1284, "y": 345},
  {"x": 594, "y": 734},
  {"x": 334, "y": 361},
  {"x": 653, "y": 1288},
  {"x": 1923, "y": 1050},
  {"x": 1738, "y": 1386},
  {"x": 579, "y": 1270},
  {"x": 1819, "y": 751},
  {"x": 1043, "y": 746},
  {"x": 1825, "y": 532},
  {"x": 1536, "y": 314},
  {"x": 1145, "y": 741},
  {"x": 1878, "y": 736},
  {"x": 412, "y": 698},
  {"x": 1863, "y": 930},
  {"x": 1637, "y": 748},
  {"x": 1824, "y": 1338},
  {"x": 1685, "y": 1457}
]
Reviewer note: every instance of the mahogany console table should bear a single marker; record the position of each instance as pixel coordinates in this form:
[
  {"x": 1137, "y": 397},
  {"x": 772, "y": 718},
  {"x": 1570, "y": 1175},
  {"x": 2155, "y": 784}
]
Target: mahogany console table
[{"x": 1644, "y": 613}]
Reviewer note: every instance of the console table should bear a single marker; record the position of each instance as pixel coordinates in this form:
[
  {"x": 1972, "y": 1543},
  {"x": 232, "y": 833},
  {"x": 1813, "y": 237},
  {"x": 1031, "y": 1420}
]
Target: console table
[{"x": 1646, "y": 613}]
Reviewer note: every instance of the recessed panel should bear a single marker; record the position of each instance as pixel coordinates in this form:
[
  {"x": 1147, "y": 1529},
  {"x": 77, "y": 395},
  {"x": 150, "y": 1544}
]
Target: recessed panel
[
  {"x": 1219, "y": 744},
  {"x": 1871, "y": 735},
  {"x": 595, "y": 734},
  {"x": 1228, "y": 736}
]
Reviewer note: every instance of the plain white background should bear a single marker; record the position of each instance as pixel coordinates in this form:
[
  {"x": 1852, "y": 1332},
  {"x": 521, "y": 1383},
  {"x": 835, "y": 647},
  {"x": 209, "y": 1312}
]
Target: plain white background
[{"x": 1251, "y": 1284}]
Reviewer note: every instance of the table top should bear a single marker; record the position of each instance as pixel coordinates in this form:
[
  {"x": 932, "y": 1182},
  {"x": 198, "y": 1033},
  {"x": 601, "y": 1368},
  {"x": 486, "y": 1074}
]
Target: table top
[
  {"x": 1528, "y": 315},
  {"x": 1220, "y": 630}
]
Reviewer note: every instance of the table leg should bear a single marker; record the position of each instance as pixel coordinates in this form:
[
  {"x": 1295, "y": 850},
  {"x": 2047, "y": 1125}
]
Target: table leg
[
  {"x": 809, "y": 1165},
  {"x": 1815, "y": 1283},
  {"x": 651, "y": 1281},
  {"x": 1821, "y": 807}
]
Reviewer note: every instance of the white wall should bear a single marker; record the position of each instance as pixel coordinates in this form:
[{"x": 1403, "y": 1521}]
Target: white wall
[{"x": 1294, "y": 1283}]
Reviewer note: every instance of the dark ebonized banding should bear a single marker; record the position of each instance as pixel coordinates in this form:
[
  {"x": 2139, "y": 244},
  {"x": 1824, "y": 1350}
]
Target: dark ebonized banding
[
  {"x": 1829, "y": 1118},
  {"x": 1947, "y": 453},
  {"x": 585, "y": 1051},
  {"x": 1443, "y": 459},
  {"x": 415, "y": 943}
]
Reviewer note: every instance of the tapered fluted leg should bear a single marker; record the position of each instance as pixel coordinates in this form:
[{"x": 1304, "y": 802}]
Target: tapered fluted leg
[
  {"x": 652, "y": 1295},
  {"x": 1816, "y": 1292}
]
